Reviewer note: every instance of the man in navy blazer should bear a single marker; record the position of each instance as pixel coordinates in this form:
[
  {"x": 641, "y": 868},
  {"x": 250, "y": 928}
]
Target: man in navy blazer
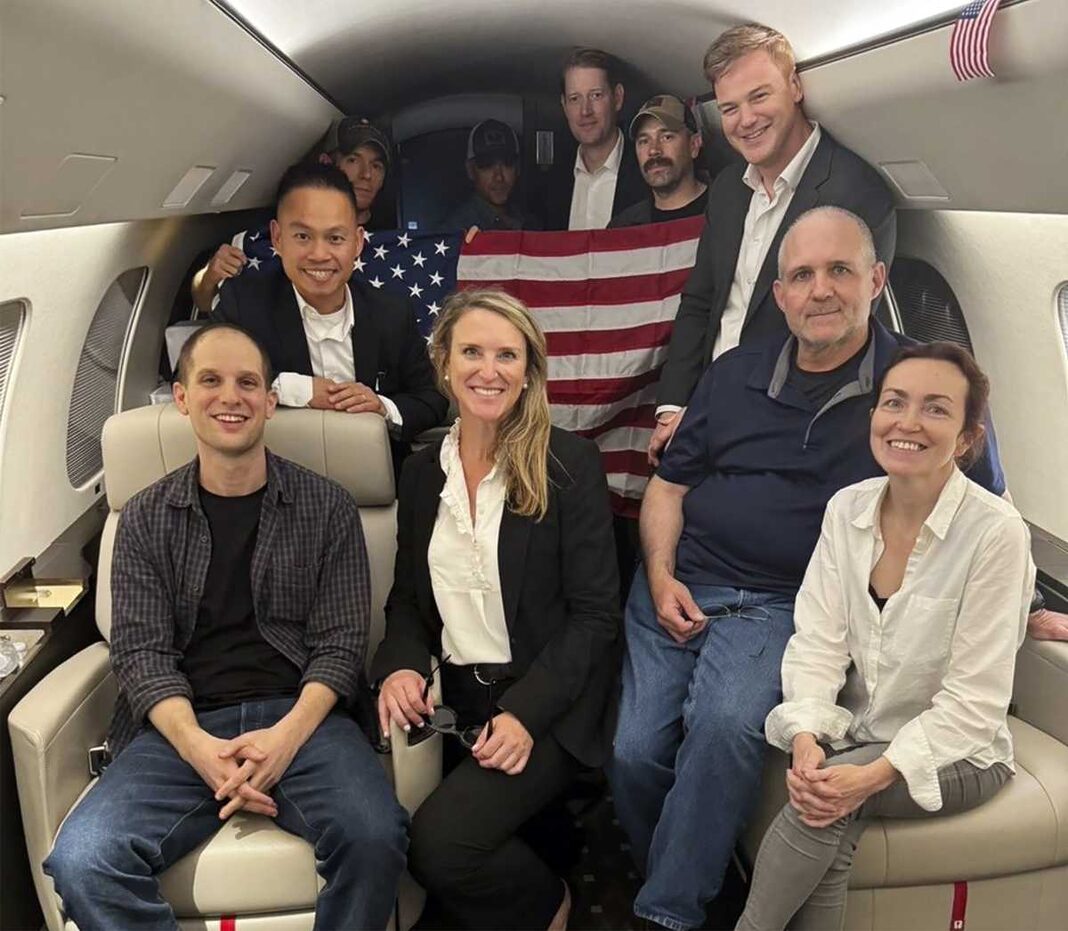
[
  {"x": 335, "y": 342},
  {"x": 791, "y": 165}
]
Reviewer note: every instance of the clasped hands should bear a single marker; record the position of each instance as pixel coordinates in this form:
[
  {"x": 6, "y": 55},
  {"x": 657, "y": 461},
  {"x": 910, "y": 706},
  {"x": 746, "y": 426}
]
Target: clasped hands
[
  {"x": 242, "y": 771},
  {"x": 350, "y": 396},
  {"x": 400, "y": 699},
  {"x": 822, "y": 796}
]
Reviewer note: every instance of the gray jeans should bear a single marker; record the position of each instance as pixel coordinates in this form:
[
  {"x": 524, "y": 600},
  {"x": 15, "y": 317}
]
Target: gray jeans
[{"x": 803, "y": 873}]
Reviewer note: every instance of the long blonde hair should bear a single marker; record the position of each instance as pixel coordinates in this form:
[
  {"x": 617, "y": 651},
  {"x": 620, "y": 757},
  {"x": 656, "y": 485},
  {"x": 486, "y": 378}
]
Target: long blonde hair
[{"x": 522, "y": 447}]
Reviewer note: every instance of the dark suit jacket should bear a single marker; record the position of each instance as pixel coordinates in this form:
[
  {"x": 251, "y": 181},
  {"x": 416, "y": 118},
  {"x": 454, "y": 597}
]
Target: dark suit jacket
[
  {"x": 560, "y": 587},
  {"x": 630, "y": 186},
  {"x": 388, "y": 352},
  {"x": 836, "y": 176}
]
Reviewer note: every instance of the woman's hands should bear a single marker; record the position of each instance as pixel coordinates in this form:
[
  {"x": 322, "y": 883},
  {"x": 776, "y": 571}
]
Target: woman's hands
[
  {"x": 508, "y": 749},
  {"x": 822, "y": 796},
  {"x": 400, "y": 699}
]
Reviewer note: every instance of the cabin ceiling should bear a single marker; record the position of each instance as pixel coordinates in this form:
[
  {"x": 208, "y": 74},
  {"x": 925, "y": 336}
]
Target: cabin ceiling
[{"x": 381, "y": 57}]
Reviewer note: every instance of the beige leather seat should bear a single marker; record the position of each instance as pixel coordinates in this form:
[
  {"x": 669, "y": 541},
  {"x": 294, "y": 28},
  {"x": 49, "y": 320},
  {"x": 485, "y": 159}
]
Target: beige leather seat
[
  {"x": 250, "y": 869},
  {"x": 1012, "y": 853}
]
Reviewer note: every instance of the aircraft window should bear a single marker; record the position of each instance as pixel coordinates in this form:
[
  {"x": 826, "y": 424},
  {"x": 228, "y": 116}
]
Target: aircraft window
[
  {"x": 928, "y": 308},
  {"x": 11, "y": 316},
  {"x": 94, "y": 397},
  {"x": 1062, "y": 315}
]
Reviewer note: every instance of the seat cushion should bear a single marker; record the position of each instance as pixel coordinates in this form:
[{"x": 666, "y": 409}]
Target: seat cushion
[
  {"x": 251, "y": 865},
  {"x": 1024, "y": 827}
]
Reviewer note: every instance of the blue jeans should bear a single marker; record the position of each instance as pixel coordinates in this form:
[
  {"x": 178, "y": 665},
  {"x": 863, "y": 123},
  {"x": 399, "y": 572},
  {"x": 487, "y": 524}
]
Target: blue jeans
[
  {"x": 150, "y": 808},
  {"x": 689, "y": 746}
]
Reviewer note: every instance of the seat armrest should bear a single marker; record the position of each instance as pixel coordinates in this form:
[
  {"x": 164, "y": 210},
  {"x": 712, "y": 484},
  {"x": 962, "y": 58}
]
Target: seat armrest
[
  {"x": 1040, "y": 690},
  {"x": 416, "y": 770},
  {"x": 52, "y": 728}
]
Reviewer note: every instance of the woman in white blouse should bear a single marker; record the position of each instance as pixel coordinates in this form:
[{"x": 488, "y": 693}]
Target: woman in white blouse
[
  {"x": 506, "y": 571},
  {"x": 897, "y": 681}
]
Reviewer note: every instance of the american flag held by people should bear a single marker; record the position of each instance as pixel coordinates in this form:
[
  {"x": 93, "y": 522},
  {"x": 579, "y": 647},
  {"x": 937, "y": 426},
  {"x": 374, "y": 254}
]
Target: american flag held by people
[
  {"x": 970, "y": 41},
  {"x": 606, "y": 300}
]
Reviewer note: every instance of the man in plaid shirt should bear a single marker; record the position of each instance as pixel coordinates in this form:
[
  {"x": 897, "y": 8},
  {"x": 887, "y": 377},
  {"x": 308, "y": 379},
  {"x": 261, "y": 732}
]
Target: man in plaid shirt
[{"x": 241, "y": 609}]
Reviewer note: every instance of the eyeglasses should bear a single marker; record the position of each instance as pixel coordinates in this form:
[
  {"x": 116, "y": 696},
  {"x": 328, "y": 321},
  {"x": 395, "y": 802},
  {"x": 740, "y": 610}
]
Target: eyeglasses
[
  {"x": 444, "y": 719},
  {"x": 719, "y": 612}
]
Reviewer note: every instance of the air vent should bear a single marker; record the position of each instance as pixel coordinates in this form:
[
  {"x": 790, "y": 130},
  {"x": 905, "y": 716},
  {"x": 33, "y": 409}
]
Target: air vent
[
  {"x": 11, "y": 316},
  {"x": 94, "y": 397},
  {"x": 230, "y": 187},
  {"x": 928, "y": 307},
  {"x": 186, "y": 189}
]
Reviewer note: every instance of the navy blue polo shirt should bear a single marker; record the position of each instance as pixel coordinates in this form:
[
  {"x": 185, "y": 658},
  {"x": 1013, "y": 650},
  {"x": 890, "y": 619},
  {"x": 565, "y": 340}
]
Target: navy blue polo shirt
[{"x": 761, "y": 462}]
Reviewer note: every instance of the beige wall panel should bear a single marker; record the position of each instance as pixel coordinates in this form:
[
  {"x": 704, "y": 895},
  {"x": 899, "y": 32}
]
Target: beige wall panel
[
  {"x": 993, "y": 144},
  {"x": 158, "y": 86},
  {"x": 61, "y": 275},
  {"x": 1005, "y": 270}
]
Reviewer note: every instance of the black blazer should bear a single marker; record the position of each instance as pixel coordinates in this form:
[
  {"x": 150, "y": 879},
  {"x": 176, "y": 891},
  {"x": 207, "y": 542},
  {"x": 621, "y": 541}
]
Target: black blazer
[
  {"x": 630, "y": 186},
  {"x": 560, "y": 587},
  {"x": 835, "y": 175},
  {"x": 388, "y": 353}
]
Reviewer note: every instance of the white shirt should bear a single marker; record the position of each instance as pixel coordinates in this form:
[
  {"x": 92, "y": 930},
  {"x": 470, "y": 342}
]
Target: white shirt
[
  {"x": 329, "y": 339},
  {"x": 594, "y": 192},
  {"x": 464, "y": 573},
  {"x": 932, "y": 673},
  {"x": 762, "y": 222}
]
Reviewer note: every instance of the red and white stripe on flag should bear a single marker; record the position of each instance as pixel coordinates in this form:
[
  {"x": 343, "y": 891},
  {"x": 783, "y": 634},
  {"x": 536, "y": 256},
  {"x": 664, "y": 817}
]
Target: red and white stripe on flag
[
  {"x": 606, "y": 300},
  {"x": 970, "y": 40}
]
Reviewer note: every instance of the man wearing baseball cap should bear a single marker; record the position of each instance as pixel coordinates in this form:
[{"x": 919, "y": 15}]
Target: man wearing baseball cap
[
  {"x": 356, "y": 146},
  {"x": 666, "y": 143},
  {"x": 493, "y": 167}
]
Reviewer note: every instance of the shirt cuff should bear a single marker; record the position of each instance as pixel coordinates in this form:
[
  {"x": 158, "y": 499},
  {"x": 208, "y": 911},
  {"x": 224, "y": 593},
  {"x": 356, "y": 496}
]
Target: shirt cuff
[
  {"x": 826, "y": 722},
  {"x": 393, "y": 414},
  {"x": 294, "y": 389},
  {"x": 667, "y": 409},
  {"x": 911, "y": 755}
]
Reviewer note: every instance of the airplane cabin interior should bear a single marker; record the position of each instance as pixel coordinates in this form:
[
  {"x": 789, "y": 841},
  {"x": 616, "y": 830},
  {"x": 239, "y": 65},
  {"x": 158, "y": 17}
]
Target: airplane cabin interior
[{"x": 135, "y": 137}]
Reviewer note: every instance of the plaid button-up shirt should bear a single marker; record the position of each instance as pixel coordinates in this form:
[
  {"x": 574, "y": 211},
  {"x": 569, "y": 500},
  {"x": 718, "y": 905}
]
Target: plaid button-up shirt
[{"x": 311, "y": 585}]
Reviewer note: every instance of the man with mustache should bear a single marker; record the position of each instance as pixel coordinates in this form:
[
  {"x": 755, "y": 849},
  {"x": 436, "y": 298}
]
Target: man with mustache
[
  {"x": 666, "y": 143},
  {"x": 337, "y": 342}
]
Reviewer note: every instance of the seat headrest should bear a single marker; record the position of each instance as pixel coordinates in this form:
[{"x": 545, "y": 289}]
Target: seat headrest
[{"x": 142, "y": 445}]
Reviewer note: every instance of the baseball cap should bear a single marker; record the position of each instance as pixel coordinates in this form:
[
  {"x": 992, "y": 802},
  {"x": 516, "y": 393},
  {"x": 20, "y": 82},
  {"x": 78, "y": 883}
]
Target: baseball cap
[
  {"x": 669, "y": 110},
  {"x": 349, "y": 133},
  {"x": 492, "y": 141}
]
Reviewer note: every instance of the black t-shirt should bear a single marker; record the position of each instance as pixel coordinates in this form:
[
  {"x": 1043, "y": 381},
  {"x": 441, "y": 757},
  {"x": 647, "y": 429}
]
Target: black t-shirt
[
  {"x": 819, "y": 387},
  {"x": 228, "y": 661},
  {"x": 695, "y": 208}
]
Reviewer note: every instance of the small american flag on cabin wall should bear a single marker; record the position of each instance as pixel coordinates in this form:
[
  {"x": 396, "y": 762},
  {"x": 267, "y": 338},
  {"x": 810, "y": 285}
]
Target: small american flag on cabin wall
[{"x": 969, "y": 43}]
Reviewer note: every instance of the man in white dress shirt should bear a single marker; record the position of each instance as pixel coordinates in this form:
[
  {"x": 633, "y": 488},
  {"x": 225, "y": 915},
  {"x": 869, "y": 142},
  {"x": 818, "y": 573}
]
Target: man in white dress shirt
[
  {"x": 791, "y": 165},
  {"x": 337, "y": 344},
  {"x": 604, "y": 180}
]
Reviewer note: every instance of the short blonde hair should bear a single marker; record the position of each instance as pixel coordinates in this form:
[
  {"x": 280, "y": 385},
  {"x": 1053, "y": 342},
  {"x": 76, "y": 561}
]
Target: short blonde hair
[
  {"x": 522, "y": 450},
  {"x": 738, "y": 41}
]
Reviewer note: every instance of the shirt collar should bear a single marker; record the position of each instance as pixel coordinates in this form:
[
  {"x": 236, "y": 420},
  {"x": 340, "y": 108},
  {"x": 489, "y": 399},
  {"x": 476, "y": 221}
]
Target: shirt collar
[
  {"x": 791, "y": 175},
  {"x": 774, "y": 377},
  {"x": 449, "y": 456},
  {"x": 938, "y": 521},
  {"x": 184, "y": 491},
  {"x": 611, "y": 163},
  {"x": 340, "y": 329}
]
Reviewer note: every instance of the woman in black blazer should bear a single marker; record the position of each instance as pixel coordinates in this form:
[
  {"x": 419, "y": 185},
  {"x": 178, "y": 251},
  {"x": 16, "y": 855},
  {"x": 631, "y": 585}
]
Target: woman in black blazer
[{"x": 505, "y": 570}]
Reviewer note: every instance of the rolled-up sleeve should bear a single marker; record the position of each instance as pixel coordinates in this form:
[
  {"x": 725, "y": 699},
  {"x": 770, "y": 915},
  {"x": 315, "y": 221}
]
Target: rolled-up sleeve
[
  {"x": 817, "y": 656},
  {"x": 143, "y": 651},
  {"x": 968, "y": 710},
  {"x": 340, "y": 619}
]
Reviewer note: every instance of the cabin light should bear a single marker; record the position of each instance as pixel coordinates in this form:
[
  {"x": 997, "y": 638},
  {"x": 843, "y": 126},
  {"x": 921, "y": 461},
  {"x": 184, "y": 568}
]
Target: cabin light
[
  {"x": 230, "y": 187},
  {"x": 914, "y": 180},
  {"x": 186, "y": 189}
]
